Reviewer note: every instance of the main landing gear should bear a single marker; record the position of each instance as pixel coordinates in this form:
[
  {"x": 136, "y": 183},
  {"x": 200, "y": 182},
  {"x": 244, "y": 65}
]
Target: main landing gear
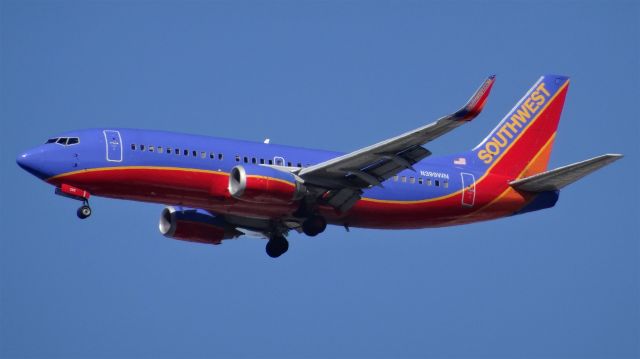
[
  {"x": 277, "y": 246},
  {"x": 314, "y": 225}
]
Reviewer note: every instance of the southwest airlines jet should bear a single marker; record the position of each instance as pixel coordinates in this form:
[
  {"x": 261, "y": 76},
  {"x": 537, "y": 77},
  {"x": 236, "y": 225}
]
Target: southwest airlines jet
[{"x": 217, "y": 189}]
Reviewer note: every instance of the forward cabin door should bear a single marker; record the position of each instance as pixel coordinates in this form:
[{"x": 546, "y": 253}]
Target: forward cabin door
[
  {"x": 468, "y": 189},
  {"x": 113, "y": 142}
]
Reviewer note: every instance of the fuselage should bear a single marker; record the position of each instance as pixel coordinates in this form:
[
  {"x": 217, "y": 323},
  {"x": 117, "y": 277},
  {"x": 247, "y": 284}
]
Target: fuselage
[{"x": 193, "y": 171}]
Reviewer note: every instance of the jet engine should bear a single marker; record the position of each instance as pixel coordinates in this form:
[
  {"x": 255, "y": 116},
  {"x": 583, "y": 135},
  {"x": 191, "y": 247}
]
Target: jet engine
[
  {"x": 195, "y": 225},
  {"x": 260, "y": 184}
]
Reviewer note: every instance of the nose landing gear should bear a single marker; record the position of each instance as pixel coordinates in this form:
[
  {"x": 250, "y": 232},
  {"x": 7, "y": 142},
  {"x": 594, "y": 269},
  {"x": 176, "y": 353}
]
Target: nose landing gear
[
  {"x": 78, "y": 194},
  {"x": 84, "y": 211}
]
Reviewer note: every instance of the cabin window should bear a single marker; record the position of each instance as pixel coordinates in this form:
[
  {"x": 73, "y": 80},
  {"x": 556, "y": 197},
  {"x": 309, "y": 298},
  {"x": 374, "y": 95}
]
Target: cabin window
[
  {"x": 212, "y": 155},
  {"x": 151, "y": 148},
  {"x": 185, "y": 152},
  {"x": 177, "y": 151},
  {"x": 246, "y": 159},
  {"x": 299, "y": 164},
  {"x": 133, "y": 147},
  {"x": 194, "y": 153},
  {"x": 220, "y": 156},
  {"x": 169, "y": 150},
  {"x": 237, "y": 158},
  {"x": 270, "y": 162},
  {"x": 428, "y": 181},
  {"x": 253, "y": 160},
  {"x": 141, "y": 147},
  {"x": 420, "y": 180},
  {"x": 412, "y": 179},
  {"x": 445, "y": 184},
  {"x": 437, "y": 182},
  {"x": 404, "y": 179},
  {"x": 289, "y": 164},
  {"x": 395, "y": 178},
  {"x": 262, "y": 161},
  {"x": 203, "y": 154},
  {"x": 160, "y": 149}
]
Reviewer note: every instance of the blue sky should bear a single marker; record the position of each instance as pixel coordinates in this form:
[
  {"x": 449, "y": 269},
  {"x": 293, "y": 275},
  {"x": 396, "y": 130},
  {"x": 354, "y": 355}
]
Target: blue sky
[{"x": 558, "y": 283}]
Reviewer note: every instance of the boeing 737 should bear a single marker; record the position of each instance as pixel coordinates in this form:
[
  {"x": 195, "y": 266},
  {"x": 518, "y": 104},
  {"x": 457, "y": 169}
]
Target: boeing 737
[{"x": 216, "y": 189}]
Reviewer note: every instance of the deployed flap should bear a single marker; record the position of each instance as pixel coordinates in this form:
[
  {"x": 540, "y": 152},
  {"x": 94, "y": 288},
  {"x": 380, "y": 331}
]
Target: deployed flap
[
  {"x": 371, "y": 165},
  {"x": 560, "y": 177}
]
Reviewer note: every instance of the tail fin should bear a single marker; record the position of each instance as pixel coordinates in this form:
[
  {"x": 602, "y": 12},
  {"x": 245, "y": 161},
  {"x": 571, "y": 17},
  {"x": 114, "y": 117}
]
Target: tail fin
[{"x": 521, "y": 144}]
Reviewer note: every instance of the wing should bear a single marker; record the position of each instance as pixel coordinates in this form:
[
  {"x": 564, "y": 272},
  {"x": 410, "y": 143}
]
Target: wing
[{"x": 346, "y": 175}]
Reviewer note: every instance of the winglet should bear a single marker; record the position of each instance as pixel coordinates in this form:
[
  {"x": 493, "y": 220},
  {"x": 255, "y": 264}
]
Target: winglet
[{"x": 476, "y": 102}]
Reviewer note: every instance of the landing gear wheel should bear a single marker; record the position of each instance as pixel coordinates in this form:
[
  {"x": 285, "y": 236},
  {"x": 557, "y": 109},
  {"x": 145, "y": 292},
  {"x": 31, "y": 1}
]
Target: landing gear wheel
[
  {"x": 277, "y": 246},
  {"x": 84, "y": 212},
  {"x": 314, "y": 225}
]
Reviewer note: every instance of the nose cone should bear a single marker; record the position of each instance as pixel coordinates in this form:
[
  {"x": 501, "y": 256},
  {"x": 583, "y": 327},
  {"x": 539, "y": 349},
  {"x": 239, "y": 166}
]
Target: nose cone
[{"x": 33, "y": 161}]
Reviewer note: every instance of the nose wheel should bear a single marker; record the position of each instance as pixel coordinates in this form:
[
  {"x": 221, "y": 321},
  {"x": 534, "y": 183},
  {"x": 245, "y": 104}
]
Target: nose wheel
[{"x": 84, "y": 211}]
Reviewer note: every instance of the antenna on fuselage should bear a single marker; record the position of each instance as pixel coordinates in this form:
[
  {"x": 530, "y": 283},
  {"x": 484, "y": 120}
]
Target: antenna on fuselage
[{"x": 266, "y": 141}]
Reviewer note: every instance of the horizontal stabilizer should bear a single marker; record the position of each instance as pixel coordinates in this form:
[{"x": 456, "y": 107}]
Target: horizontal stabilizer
[{"x": 563, "y": 176}]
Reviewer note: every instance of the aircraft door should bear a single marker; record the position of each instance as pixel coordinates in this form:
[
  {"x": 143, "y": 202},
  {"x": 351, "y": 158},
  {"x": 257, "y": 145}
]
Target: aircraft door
[
  {"x": 468, "y": 189},
  {"x": 113, "y": 142},
  {"x": 278, "y": 161}
]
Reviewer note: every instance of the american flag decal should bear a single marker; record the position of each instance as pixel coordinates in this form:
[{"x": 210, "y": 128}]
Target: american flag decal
[{"x": 460, "y": 161}]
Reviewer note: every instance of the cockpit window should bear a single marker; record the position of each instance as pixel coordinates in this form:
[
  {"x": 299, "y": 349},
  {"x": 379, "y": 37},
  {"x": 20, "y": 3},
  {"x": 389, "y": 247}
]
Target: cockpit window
[{"x": 64, "y": 141}]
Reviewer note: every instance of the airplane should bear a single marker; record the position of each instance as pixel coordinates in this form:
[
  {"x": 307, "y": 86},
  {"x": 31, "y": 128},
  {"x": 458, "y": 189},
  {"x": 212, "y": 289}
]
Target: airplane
[{"x": 217, "y": 189}]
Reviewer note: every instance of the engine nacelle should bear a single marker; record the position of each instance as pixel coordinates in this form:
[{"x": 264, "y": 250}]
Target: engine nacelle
[
  {"x": 195, "y": 225},
  {"x": 260, "y": 184}
]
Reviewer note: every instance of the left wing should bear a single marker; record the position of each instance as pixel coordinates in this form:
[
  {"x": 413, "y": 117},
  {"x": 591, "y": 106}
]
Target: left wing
[{"x": 346, "y": 175}]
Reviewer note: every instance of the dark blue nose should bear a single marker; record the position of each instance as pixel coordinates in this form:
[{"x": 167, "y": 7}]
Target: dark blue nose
[{"x": 33, "y": 161}]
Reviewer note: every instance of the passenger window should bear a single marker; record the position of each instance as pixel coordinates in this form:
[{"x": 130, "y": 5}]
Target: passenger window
[
  {"x": 428, "y": 181},
  {"x": 160, "y": 149},
  {"x": 446, "y": 184},
  {"x": 246, "y": 159},
  {"x": 412, "y": 179},
  {"x": 151, "y": 149},
  {"x": 141, "y": 147},
  {"x": 169, "y": 151},
  {"x": 73, "y": 141},
  {"x": 404, "y": 179},
  {"x": 194, "y": 153},
  {"x": 395, "y": 178},
  {"x": 177, "y": 151},
  {"x": 437, "y": 183},
  {"x": 253, "y": 160},
  {"x": 237, "y": 158},
  {"x": 289, "y": 164},
  {"x": 185, "y": 152},
  {"x": 262, "y": 161},
  {"x": 212, "y": 155},
  {"x": 220, "y": 156},
  {"x": 299, "y": 164},
  {"x": 203, "y": 154},
  {"x": 133, "y": 147},
  {"x": 420, "y": 180},
  {"x": 270, "y": 162}
]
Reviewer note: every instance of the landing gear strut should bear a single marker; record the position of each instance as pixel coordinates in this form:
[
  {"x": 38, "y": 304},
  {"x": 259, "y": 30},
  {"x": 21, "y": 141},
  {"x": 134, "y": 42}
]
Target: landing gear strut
[
  {"x": 314, "y": 225},
  {"x": 84, "y": 211},
  {"x": 277, "y": 246}
]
